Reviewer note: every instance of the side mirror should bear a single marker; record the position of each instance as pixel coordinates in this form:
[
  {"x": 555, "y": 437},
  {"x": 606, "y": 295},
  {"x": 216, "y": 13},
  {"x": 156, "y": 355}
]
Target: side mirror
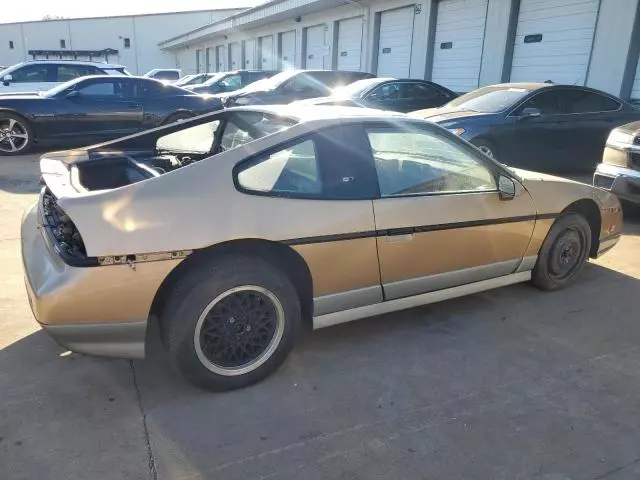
[
  {"x": 6, "y": 80},
  {"x": 530, "y": 112},
  {"x": 506, "y": 188},
  {"x": 72, "y": 94}
]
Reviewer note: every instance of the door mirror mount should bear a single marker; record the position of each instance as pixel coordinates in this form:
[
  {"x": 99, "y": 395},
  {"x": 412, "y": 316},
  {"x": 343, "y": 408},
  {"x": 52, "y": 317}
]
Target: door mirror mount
[
  {"x": 73, "y": 94},
  {"x": 506, "y": 188},
  {"x": 530, "y": 112},
  {"x": 6, "y": 80}
]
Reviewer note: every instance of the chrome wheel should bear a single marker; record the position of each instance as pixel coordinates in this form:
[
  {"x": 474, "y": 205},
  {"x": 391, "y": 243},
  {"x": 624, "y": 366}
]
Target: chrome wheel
[
  {"x": 239, "y": 330},
  {"x": 567, "y": 254},
  {"x": 486, "y": 150},
  {"x": 14, "y": 135}
]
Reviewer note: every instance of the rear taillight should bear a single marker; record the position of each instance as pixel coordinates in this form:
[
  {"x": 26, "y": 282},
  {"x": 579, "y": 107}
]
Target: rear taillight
[{"x": 63, "y": 232}]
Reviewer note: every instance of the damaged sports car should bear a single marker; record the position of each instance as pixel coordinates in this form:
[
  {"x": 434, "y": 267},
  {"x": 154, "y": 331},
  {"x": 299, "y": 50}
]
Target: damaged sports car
[{"x": 237, "y": 229}]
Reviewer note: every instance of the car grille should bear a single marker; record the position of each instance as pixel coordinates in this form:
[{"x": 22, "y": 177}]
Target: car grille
[{"x": 603, "y": 182}]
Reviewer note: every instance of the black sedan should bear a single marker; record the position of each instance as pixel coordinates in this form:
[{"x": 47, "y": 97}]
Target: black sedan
[
  {"x": 91, "y": 109},
  {"x": 400, "y": 95},
  {"x": 539, "y": 126}
]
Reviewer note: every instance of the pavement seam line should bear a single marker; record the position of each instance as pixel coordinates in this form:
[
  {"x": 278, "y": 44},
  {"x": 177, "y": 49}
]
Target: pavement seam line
[{"x": 153, "y": 471}]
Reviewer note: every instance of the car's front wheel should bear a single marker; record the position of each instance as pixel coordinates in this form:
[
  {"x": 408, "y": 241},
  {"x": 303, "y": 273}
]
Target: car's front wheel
[
  {"x": 16, "y": 135},
  {"x": 231, "y": 322},
  {"x": 564, "y": 252}
]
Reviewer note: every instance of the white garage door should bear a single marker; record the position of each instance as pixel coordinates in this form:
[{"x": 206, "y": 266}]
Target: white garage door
[
  {"x": 249, "y": 54},
  {"x": 266, "y": 53},
  {"x": 350, "y": 44},
  {"x": 458, "y": 44},
  {"x": 394, "y": 46},
  {"x": 554, "y": 40},
  {"x": 288, "y": 50},
  {"x": 316, "y": 50},
  {"x": 236, "y": 56},
  {"x": 221, "y": 58}
]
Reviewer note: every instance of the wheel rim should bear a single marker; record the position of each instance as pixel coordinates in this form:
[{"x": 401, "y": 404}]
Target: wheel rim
[
  {"x": 239, "y": 330},
  {"x": 14, "y": 136},
  {"x": 486, "y": 150},
  {"x": 567, "y": 254}
]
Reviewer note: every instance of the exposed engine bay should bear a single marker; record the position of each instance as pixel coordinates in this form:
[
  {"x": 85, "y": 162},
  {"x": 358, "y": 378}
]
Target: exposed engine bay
[{"x": 116, "y": 169}]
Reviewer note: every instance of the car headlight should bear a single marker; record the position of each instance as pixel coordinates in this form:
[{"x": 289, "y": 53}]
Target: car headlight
[
  {"x": 620, "y": 138},
  {"x": 457, "y": 131},
  {"x": 243, "y": 101}
]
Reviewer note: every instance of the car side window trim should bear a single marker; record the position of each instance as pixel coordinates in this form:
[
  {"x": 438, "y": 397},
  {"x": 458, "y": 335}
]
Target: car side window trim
[
  {"x": 536, "y": 93},
  {"x": 493, "y": 166}
]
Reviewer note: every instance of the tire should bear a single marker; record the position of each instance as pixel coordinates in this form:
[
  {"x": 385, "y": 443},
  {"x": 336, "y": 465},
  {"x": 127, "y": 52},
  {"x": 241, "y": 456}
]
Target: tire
[
  {"x": 486, "y": 147},
  {"x": 564, "y": 253},
  {"x": 210, "y": 304},
  {"x": 16, "y": 135},
  {"x": 176, "y": 117}
]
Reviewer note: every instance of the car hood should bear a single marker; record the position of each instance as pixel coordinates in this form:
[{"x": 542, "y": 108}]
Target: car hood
[
  {"x": 444, "y": 114},
  {"x": 19, "y": 96}
]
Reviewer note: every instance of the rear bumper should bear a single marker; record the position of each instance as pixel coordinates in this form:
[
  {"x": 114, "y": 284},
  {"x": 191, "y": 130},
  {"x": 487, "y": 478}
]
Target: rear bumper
[
  {"x": 621, "y": 181},
  {"x": 100, "y": 310}
]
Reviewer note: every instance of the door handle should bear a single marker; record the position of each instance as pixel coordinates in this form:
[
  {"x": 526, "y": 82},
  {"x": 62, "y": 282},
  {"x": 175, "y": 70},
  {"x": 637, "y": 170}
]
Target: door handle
[{"x": 133, "y": 105}]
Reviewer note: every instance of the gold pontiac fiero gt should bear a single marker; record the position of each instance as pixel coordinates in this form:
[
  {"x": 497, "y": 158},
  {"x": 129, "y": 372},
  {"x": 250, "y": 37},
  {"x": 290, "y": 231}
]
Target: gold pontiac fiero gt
[{"x": 233, "y": 230}]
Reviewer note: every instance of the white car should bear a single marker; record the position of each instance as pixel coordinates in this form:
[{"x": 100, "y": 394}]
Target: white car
[
  {"x": 41, "y": 75},
  {"x": 167, "y": 75}
]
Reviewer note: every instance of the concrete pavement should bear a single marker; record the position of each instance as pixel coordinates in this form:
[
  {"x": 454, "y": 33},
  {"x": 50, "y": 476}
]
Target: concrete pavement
[{"x": 509, "y": 384}]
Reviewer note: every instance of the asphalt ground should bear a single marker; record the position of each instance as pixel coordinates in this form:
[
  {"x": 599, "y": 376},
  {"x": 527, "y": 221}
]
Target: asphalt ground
[{"x": 509, "y": 384}]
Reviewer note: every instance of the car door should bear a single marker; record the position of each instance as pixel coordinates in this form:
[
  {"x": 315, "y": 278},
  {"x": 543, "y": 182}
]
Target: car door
[
  {"x": 324, "y": 176},
  {"x": 439, "y": 219},
  {"x": 31, "y": 78},
  {"x": 536, "y": 134},
  {"x": 102, "y": 107},
  {"x": 590, "y": 118}
]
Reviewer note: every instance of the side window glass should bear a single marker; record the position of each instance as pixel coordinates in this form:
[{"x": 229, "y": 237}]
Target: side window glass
[
  {"x": 147, "y": 89},
  {"x": 292, "y": 170},
  {"x": 69, "y": 72},
  {"x": 422, "y": 92},
  {"x": 388, "y": 91},
  {"x": 547, "y": 102},
  {"x": 245, "y": 127},
  {"x": 232, "y": 82},
  {"x": 99, "y": 89},
  {"x": 32, "y": 73},
  {"x": 419, "y": 162},
  {"x": 582, "y": 101},
  {"x": 196, "y": 139}
]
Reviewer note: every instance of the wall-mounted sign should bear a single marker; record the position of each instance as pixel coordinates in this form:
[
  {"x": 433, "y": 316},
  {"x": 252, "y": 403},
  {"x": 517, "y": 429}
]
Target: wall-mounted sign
[
  {"x": 446, "y": 45},
  {"x": 386, "y": 50},
  {"x": 418, "y": 8},
  {"x": 537, "y": 38},
  {"x": 343, "y": 54}
]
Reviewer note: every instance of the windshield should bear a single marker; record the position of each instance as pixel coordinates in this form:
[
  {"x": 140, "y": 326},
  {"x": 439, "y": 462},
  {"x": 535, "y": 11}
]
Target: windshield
[
  {"x": 7, "y": 70},
  {"x": 489, "y": 99},
  {"x": 271, "y": 82},
  {"x": 214, "y": 80},
  {"x": 63, "y": 86},
  {"x": 195, "y": 79},
  {"x": 355, "y": 89}
]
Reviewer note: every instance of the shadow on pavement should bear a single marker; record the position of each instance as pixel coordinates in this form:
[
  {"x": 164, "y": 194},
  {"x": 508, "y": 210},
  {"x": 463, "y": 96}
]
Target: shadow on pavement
[{"x": 528, "y": 381}]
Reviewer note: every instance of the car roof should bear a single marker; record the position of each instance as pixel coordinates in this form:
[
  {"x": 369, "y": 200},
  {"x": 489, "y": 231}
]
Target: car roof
[
  {"x": 307, "y": 113},
  {"x": 74, "y": 62}
]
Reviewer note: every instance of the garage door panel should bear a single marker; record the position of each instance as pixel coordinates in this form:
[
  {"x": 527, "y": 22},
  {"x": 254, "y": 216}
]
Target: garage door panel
[
  {"x": 249, "y": 54},
  {"x": 315, "y": 47},
  {"x": 236, "y": 56},
  {"x": 350, "y": 44},
  {"x": 395, "y": 39},
  {"x": 562, "y": 54},
  {"x": 288, "y": 50},
  {"x": 266, "y": 53},
  {"x": 460, "y": 26}
]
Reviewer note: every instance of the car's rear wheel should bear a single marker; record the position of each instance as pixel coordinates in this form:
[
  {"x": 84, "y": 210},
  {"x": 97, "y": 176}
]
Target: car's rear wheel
[
  {"x": 564, "y": 252},
  {"x": 16, "y": 135},
  {"x": 486, "y": 147},
  {"x": 230, "y": 323}
]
